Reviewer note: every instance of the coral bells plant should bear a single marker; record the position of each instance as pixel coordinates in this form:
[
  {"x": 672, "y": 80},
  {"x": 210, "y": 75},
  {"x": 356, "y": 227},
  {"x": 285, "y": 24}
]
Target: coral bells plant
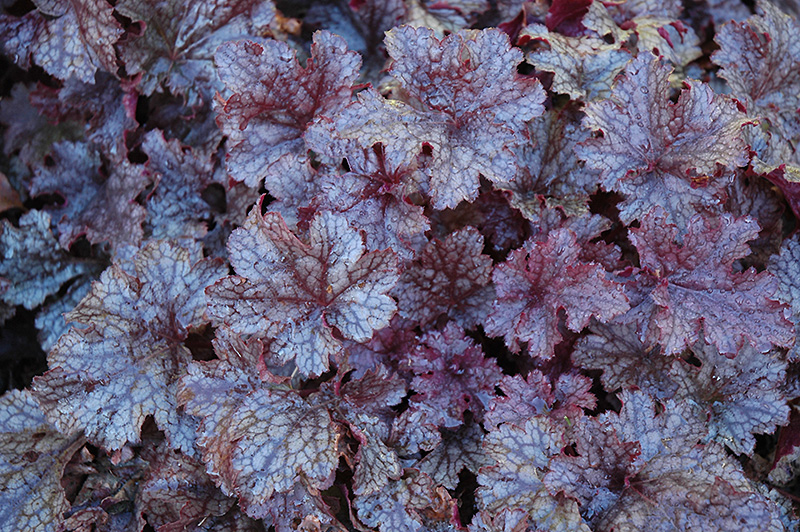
[{"x": 399, "y": 265}]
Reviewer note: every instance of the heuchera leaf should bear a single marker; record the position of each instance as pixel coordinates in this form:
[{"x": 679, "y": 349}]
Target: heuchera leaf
[
  {"x": 107, "y": 497},
  {"x": 34, "y": 266},
  {"x": 471, "y": 98},
  {"x": 522, "y": 455},
  {"x": 98, "y": 202},
  {"x": 376, "y": 463},
  {"x": 176, "y": 207},
  {"x": 691, "y": 289},
  {"x": 29, "y": 135},
  {"x": 176, "y": 493},
  {"x": 548, "y": 167},
  {"x": 402, "y": 505},
  {"x": 646, "y": 26},
  {"x": 373, "y": 194},
  {"x": 452, "y": 376},
  {"x": 465, "y": 101},
  {"x": 626, "y": 362},
  {"x": 539, "y": 280},
  {"x": 675, "y": 483},
  {"x": 258, "y": 440},
  {"x": 786, "y": 268},
  {"x": 32, "y": 460},
  {"x": 65, "y": 37},
  {"x": 595, "y": 476},
  {"x": 176, "y": 50},
  {"x": 123, "y": 363},
  {"x": 759, "y": 61},
  {"x": 450, "y": 277},
  {"x": 739, "y": 396},
  {"x": 365, "y": 404},
  {"x": 104, "y": 108},
  {"x": 362, "y": 23},
  {"x": 460, "y": 449},
  {"x": 583, "y": 67},
  {"x": 564, "y": 402},
  {"x": 659, "y": 153},
  {"x": 298, "y": 293},
  {"x": 275, "y": 98}
]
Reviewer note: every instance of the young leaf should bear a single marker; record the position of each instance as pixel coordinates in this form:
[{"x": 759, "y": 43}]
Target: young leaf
[
  {"x": 275, "y": 98},
  {"x": 538, "y": 281},
  {"x": 452, "y": 376},
  {"x": 175, "y": 51},
  {"x": 298, "y": 293},
  {"x": 522, "y": 399},
  {"x": 692, "y": 288},
  {"x": 448, "y": 278},
  {"x": 659, "y": 153}
]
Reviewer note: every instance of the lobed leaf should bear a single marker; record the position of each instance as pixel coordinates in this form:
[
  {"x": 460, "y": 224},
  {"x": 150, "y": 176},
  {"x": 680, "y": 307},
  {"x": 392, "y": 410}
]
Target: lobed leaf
[
  {"x": 538, "y": 281},
  {"x": 297, "y": 292},
  {"x": 659, "y": 153},
  {"x": 33, "y": 456},
  {"x": 67, "y": 38},
  {"x": 691, "y": 289},
  {"x": 175, "y": 51},
  {"x": 124, "y": 362},
  {"x": 275, "y": 98}
]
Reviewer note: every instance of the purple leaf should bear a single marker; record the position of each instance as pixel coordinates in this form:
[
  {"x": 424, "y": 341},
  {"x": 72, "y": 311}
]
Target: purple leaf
[
  {"x": 258, "y": 441},
  {"x": 98, "y": 202},
  {"x": 174, "y": 52},
  {"x": 739, "y": 396},
  {"x": 34, "y": 266},
  {"x": 659, "y": 153},
  {"x": 452, "y": 376},
  {"x": 33, "y": 456},
  {"x": 67, "y": 38},
  {"x": 275, "y": 98},
  {"x": 538, "y": 281},
  {"x": 625, "y": 361},
  {"x": 176, "y": 206},
  {"x": 460, "y": 449},
  {"x": 691, "y": 288},
  {"x": 123, "y": 363},
  {"x": 759, "y": 61},
  {"x": 448, "y": 278},
  {"x": 298, "y": 293},
  {"x": 403, "y": 504},
  {"x": 522, "y": 455}
]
